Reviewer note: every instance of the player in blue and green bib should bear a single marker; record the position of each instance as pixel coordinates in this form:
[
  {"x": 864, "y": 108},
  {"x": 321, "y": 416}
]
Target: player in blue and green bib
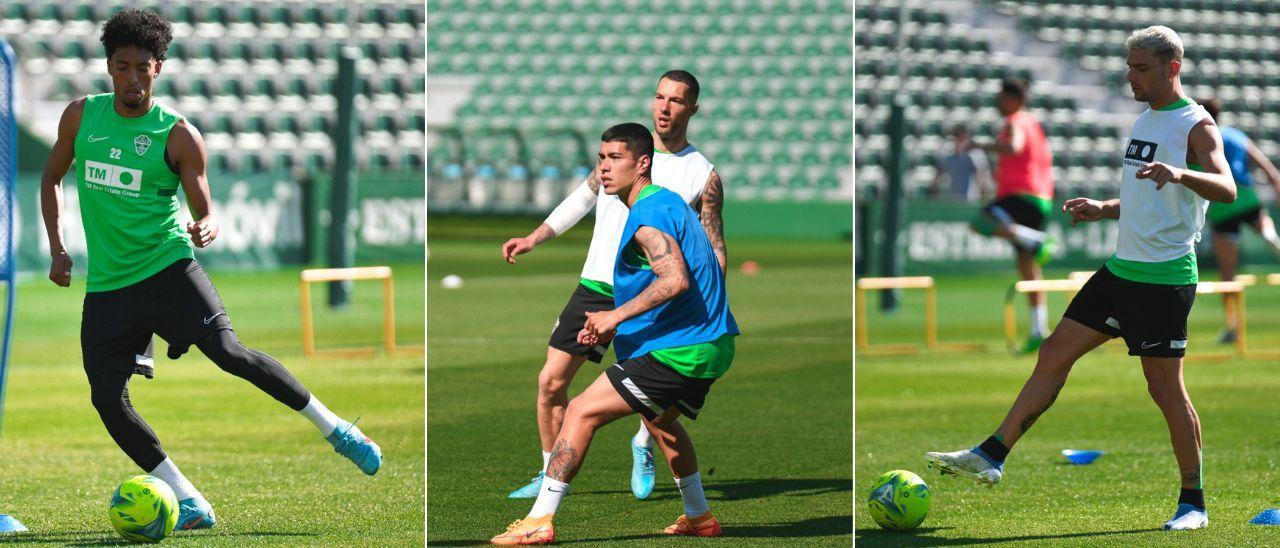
[
  {"x": 672, "y": 331},
  {"x": 1227, "y": 219},
  {"x": 132, "y": 155}
]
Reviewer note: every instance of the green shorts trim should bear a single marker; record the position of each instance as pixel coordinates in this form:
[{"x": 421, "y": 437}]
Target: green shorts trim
[
  {"x": 596, "y": 286},
  {"x": 708, "y": 360},
  {"x": 1180, "y": 271}
]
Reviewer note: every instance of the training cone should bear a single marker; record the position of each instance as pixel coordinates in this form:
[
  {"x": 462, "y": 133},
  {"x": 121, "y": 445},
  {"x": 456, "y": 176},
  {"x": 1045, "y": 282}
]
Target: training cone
[
  {"x": 1270, "y": 516},
  {"x": 1076, "y": 456},
  {"x": 10, "y": 524}
]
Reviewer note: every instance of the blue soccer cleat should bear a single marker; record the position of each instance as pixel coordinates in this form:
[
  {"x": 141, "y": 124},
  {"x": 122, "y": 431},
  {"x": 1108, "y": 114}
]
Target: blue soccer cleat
[
  {"x": 531, "y": 490},
  {"x": 1186, "y": 518},
  {"x": 195, "y": 513},
  {"x": 350, "y": 442},
  {"x": 641, "y": 470},
  {"x": 970, "y": 463}
]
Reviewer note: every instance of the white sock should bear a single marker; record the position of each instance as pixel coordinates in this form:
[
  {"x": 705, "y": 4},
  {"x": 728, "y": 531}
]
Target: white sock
[
  {"x": 1027, "y": 237},
  {"x": 1040, "y": 319},
  {"x": 1270, "y": 236},
  {"x": 168, "y": 471},
  {"x": 549, "y": 497},
  {"x": 642, "y": 437},
  {"x": 321, "y": 416},
  {"x": 695, "y": 501},
  {"x": 546, "y": 457}
]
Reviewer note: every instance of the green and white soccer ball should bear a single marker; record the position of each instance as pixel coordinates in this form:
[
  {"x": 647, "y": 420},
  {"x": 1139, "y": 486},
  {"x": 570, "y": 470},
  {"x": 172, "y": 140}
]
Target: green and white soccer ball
[
  {"x": 899, "y": 500},
  {"x": 144, "y": 509}
]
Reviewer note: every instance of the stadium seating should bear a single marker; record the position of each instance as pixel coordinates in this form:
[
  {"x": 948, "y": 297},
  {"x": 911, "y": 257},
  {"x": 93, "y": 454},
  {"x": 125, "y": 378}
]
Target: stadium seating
[
  {"x": 255, "y": 77},
  {"x": 950, "y": 77},
  {"x": 774, "y": 110},
  {"x": 1230, "y": 52},
  {"x": 1230, "y": 49}
]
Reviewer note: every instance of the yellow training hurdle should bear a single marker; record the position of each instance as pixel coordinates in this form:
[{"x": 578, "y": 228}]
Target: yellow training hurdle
[
  {"x": 930, "y": 317},
  {"x": 312, "y": 275}
]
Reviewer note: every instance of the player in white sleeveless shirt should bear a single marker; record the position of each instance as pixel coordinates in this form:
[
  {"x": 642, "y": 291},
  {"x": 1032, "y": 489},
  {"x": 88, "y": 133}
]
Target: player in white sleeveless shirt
[
  {"x": 677, "y": 166},
  {"x": 1173, "y": 167}
]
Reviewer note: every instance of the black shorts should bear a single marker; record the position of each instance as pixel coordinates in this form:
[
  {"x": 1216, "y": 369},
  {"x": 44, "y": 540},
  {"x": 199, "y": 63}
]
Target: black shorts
[
  {"x": 1022, "y": 210},
  {"x": 178, "y": 303},
  {"x": 1152, "y": 318},
  {"x": 1231, "y": 226},
  {"x": 651, "y": 388},
  {"x": 564, "y": 336}
]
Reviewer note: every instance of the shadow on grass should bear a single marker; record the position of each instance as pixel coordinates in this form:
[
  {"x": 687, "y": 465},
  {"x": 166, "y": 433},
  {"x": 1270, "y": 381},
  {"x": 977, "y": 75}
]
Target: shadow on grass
[
  {"x": 881, "y": 537},
  {"x": 102, "y": 538},
  {"x": 815, "y": 527},
  {"x": 747, "y": 489}
]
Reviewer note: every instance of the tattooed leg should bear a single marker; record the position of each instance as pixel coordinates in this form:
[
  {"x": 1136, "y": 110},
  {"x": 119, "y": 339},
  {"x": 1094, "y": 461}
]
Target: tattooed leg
[
  {"x": 1164, "y": 382},
  {"x": 1058, "y": 354}
]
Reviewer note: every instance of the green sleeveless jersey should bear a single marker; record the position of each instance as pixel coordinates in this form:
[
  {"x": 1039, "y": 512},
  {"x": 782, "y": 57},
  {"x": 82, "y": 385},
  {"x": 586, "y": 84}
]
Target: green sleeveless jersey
[{"x": 128, "y": 195}]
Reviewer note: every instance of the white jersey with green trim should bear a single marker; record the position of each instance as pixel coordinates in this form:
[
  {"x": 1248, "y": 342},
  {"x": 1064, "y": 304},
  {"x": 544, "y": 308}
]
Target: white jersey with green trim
[
  {"x": 685, "y": 172},
  {"x": 1159, "y": 225}
]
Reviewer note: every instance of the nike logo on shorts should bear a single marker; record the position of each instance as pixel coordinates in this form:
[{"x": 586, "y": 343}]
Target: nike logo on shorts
[
  {"x": 1152, "y": 345},
  {"x": 210, "y": 318},
  {"x": 93, "y": 139}
]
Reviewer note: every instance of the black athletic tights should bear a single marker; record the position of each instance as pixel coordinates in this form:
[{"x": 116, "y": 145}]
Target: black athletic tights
[{"x": 110, "y": 394}]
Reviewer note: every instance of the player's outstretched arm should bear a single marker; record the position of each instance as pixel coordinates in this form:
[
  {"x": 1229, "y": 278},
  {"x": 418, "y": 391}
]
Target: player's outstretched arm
[
  {"x": 1257, "y": 157},
  {"x": 1204, "y": 144},
  {"x": 712, "y": 220},
  {"x": 51, "y": 191},
  {"x": 667, "y": 262},
  {"x": 572, "y": 209},
  {"x": 1084, "y": 210},
  {"x": 186, "y": 147}
]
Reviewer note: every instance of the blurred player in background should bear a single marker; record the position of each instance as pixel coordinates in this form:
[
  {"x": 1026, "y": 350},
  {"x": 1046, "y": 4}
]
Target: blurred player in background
[
  {"x": 675, "y": 337},
  {"x": 963, "y": 168},
  {"x": 1024, "y": 196},
  {"x": 677, "y": 166},
  {"x": 1226, "y": 219},
  {"x": 1173, "y": 167},
  {"x": 131, "y": 156}
]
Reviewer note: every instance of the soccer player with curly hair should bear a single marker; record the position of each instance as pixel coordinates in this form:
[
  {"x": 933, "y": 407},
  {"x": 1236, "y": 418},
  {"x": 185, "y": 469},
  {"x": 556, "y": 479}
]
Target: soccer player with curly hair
[{"x": 132, "y": 155}]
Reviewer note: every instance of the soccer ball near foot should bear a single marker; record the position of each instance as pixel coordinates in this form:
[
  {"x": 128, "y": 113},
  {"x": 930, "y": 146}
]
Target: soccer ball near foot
[
  {"x": 899, "y": 500},
  {"x": 144, "y": 509}
]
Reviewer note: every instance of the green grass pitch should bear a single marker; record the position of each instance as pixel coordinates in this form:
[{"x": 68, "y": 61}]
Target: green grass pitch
[
  {"x": 907, "y": 405},
  {"x": 270, "y": 476},
  {"x": 773, "y": 440}
]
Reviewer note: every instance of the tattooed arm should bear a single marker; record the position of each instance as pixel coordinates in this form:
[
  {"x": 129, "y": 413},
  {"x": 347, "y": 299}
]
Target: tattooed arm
[
  {"x": 710, "y": 215},
  {"x": 568, "y": 213},
  {"x": 668, "y": 265}
]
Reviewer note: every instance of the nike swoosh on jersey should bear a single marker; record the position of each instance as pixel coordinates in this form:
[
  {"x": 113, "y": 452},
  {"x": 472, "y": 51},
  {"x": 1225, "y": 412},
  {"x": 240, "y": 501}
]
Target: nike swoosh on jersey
[
  {"x": 210, "y": 318},
  {"x": 92, "y": 139}
]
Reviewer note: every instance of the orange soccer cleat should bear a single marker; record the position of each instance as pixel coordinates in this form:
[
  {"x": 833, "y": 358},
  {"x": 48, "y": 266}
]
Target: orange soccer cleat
[
  {"x": 705, "y": 525},
  {"x": 531, "y": 531}
]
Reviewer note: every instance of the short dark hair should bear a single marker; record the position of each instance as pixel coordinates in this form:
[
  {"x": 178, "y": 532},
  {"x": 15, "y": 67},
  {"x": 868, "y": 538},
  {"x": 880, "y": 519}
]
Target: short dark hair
[
  {"x": 684, "y": 77},
  {"x": 1214, "y": 106},
  {"x": 1014, "y": 87},
  {"x": 637, "y": 138},
  {"x": 144, "y": 29}
]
